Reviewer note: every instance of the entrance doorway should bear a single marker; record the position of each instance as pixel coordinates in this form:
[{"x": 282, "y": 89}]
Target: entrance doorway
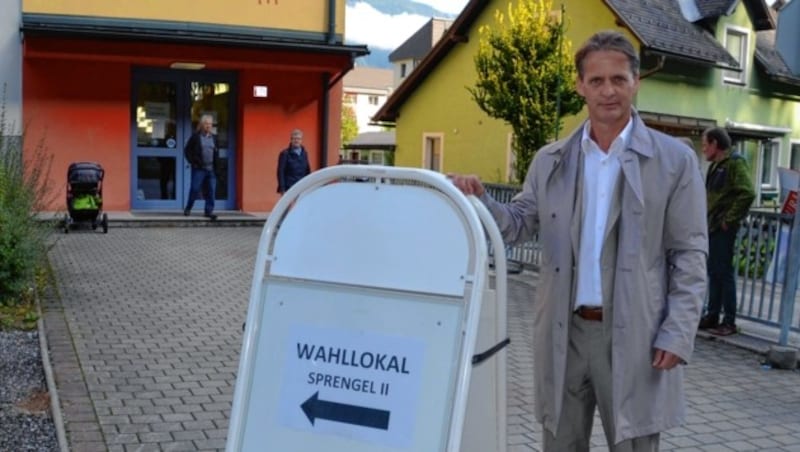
[{"x": 166, "y": 108}]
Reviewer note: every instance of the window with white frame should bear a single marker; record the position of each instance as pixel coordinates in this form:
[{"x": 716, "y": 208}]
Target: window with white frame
[
  {"x": 403, "y": 70},
  {"x": 373, "y": 100},
  {"x": 794, "y": 163},
  {"x": 736, "y": 43},
  {"x": 768, "y": 162},
  {"x": 432, "y": 152},
  {"x": 376, "y": 158}
]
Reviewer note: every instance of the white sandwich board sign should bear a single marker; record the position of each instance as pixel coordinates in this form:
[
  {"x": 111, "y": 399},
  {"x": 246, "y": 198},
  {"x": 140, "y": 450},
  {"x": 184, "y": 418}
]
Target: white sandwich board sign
[{"x": 363, "y": 316}]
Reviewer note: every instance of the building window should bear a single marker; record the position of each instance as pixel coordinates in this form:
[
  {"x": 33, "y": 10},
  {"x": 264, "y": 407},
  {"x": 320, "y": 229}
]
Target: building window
[
  {"x": 432, "y": 152},
  {"x": 376, "y": 158},
  {"x": 403, "y": 69},
  {"x": 736, "y": 42},
  {"x": 767, "y": 164},
  {"x": 795, "y": 159},
  {"x": 373, "y": 100}
]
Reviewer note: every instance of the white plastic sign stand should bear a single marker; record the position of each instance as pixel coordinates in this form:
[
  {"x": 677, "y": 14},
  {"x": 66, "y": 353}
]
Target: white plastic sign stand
[{"x": 369, "y": 294}]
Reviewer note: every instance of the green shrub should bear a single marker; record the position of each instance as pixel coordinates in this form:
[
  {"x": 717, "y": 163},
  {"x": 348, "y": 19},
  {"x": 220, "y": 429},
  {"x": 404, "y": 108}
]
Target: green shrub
[
  {"x": 753, "y": 259},
  {"x": 24, "y": 191}
]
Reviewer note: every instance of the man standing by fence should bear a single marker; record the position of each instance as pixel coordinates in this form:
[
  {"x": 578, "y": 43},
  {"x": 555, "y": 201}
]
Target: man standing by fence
[
  {"x": 729, "y": 193},
  {"x": 620, "y": 214}
]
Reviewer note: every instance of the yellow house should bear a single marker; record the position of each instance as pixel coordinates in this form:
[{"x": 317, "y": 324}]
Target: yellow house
[
  {"x": 438, "y": 124},
  {"x": 705, "y": 64}
]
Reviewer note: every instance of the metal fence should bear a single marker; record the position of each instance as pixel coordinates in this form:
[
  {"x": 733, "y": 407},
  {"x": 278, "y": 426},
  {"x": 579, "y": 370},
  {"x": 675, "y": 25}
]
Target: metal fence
[{"x": 761, "y": 262}]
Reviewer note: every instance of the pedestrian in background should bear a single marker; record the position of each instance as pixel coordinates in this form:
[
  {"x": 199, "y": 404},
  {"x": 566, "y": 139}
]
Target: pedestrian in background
[
  {"x": 292, "y": 162},
  {"x": 202, "y": 152},
  {"x": 729, "y": 194},
  {"x": 621, "y": 217}
]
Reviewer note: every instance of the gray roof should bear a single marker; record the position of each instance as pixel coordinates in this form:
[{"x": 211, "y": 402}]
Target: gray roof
[
  {"x": 373, "y": 140},
  {"x": 368, "y": 78},
  {"x": 770, "y": 60},
  {"x": 715, "y": 8},
  {"x": 661, "y": 27},
  {"x": 422, "y": 41}
]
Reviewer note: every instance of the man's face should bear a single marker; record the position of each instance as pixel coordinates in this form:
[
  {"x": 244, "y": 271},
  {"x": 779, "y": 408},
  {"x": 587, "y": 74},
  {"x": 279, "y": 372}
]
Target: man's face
[
  {"x": 206, "y": 126},
  {"x": 608, "y": 85},
  {"x": 710, "y": 149},
  {"x": 297, "y": 140}
]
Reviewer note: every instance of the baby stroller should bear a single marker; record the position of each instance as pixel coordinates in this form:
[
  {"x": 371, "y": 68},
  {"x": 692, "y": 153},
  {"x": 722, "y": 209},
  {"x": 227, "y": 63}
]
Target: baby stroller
[{"x": 85, "y": 196}]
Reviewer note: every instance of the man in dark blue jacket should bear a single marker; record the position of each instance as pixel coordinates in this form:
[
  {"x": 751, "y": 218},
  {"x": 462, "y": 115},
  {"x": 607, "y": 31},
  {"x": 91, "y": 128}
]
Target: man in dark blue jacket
[
  {"x": 292, "y": 162},
  {"x": 202, "y": 152}
]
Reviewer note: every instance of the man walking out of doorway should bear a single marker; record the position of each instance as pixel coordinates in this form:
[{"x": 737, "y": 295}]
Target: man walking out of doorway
[{"x": 202, "y": 152}]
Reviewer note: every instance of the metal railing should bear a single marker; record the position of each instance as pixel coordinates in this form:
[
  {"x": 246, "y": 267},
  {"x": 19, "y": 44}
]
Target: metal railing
[{"x": 761, "y": 260}]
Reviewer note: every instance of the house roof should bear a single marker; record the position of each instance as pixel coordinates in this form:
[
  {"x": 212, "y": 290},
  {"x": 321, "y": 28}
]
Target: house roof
[
  {"x": 421, "y": 42},
  {"x": 373, "y": 140},
  {"x": 160, "y": 31},
  {"x": 762, "y": 16},
  {"x": 659, "y": 25},
  {"x": 715, "y": 8},
  {"x": 770, "y": 60},
  {"x": 368, "y": 78},
  {"x": 662, "y": 28}
]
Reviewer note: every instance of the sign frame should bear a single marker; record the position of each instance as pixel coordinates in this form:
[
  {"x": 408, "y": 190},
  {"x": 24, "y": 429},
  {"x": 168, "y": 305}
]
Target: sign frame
[{"x": 271, "y": 267}]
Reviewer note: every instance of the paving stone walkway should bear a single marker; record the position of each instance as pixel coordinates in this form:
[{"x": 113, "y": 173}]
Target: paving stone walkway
[{"x": 145, "y": 332}]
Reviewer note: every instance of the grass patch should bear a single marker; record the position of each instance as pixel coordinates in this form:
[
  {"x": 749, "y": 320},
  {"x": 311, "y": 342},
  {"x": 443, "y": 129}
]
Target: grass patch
[{"x": 21, "y": 312}]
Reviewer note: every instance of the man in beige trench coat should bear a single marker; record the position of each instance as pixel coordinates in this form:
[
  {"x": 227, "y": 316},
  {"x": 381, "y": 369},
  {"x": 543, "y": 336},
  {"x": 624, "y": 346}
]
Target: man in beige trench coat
[{"x": 621, "y": 217}]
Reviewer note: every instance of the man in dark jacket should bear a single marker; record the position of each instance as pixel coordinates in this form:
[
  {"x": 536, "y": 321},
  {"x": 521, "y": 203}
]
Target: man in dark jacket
[
  {"x": 202, "y": 152},
  {"x": 292, "y": 162},
  {"x": 729, "y": 193}
]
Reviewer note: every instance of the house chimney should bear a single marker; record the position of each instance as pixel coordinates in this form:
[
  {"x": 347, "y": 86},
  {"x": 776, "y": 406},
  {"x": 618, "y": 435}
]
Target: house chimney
[{"x": 786, "y": 36}]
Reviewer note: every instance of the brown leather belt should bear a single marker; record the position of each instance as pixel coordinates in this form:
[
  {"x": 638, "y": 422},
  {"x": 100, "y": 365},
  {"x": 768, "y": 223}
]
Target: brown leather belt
[{"x": 593, "y": 313}]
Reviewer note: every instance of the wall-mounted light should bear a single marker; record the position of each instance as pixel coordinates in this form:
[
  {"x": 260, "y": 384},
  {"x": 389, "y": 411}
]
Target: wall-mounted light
[{"x": 187, "y": 65}]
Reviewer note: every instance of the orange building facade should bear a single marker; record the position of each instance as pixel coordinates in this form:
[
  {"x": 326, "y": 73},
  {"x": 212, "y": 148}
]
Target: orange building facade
[{"x": 124, "y": 84}]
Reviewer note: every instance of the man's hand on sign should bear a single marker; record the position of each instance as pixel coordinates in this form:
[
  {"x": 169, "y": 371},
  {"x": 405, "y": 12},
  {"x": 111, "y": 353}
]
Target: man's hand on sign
[{"x": 468, "y": 184}]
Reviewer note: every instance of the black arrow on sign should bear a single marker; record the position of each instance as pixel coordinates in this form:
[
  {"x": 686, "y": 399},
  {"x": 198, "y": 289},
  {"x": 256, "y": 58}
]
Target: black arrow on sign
[{"x": 348, "y": 414}]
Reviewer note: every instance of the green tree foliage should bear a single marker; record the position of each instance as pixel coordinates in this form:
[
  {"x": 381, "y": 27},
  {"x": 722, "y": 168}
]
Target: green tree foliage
[
  {"x": 24, "y": 188},
  {"x": 349, "y": 124},
  {"x": 526, "y": 76}
]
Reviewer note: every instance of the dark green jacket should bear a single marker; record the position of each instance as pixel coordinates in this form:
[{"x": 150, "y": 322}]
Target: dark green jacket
[{"x": 729, "y": 192}]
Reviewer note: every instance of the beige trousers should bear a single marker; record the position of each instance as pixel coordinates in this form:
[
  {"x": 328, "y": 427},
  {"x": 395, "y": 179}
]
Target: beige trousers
[{"x": 588, "y": 385}]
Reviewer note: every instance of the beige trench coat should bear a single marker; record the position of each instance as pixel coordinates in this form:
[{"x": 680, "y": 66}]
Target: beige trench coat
[{"x": 654, "y": 274}]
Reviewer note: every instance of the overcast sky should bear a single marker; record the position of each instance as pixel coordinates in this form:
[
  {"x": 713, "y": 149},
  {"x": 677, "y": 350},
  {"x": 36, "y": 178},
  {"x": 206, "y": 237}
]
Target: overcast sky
[{"x": 365, "y": 25}]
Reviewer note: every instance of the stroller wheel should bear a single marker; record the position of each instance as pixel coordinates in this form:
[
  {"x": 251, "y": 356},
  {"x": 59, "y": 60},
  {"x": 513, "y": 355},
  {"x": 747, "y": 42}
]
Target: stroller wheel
[
  {"x": 66, "y": 224},
  {"x": 94, "y": 225},
  {"x": 105, "y": 223}
]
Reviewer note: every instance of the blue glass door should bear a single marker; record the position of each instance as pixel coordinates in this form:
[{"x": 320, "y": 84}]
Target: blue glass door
[{"x": 167, "y": 106}]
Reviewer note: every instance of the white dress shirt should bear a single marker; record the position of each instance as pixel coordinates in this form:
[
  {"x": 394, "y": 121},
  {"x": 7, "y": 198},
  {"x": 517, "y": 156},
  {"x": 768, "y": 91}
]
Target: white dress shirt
[{"x": 600, "y": 173}]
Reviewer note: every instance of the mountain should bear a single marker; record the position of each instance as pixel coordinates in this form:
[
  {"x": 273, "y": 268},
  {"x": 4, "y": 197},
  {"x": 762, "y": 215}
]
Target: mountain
[
  {"x": 394, "y": 7},
  {"x": 378, "y": 58}
]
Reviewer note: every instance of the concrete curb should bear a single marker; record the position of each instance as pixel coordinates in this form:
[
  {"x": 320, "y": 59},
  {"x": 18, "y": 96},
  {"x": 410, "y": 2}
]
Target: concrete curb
[{"x": 55, "y": 404}]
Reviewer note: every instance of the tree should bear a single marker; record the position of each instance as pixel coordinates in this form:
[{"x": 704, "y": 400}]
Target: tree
[
  {"x": 349, "y": 124},
  {"x": 525, "y": 76}
]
